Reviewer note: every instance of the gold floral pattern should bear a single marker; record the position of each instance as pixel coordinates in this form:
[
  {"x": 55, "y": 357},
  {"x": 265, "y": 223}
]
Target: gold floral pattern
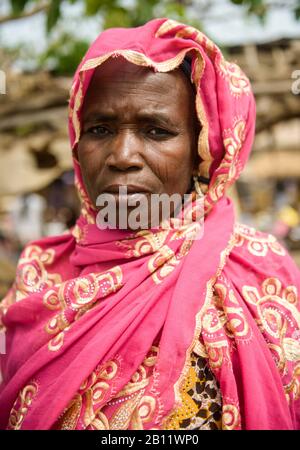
[
  {"x": 292, "y": 389},
  {"x": 8, "y": 300},
  {"x": 97, "y": 407},
  {"x": 87, "y": 209},
  {"x": 238, "y": 82},
  {"x": 162, "y": 264},
  {"x": 186, "y": 32},
  {"x": 94, "y": 390},
  {"x": 278, "y": 318},
  {"x": 165, "y": 260},
  {"x": 32, "y": 275},
  {"x": 77, "y": 296},
  {"x": 143, "y": 243},
  {"x": 258, "y": 244},
  {"x": 215, "y": 352},
  {"x": 223, "y": 325},
  {"x": 229, "y": 168},
  {"x": 230, "y": 417},
  {"x": 22, "y": 405},
  {"x": 131, "y": 408},
  {"x": 231, "y": 314}
]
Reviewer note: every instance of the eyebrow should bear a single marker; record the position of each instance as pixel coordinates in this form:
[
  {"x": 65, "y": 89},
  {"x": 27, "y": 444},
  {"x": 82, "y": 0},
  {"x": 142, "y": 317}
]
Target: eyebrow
[{"x": 154, "y": 117}]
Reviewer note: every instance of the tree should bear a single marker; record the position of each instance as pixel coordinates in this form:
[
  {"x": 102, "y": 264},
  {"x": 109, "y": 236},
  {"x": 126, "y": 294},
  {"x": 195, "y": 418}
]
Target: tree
[
  {"x": 116, "y": 14},
  {"x": 112, "y": 11},
  {"x": 66, "y": 50}
]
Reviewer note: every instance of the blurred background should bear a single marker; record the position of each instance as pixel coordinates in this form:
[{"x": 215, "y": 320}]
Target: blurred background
[{"x": 41, "y": 43}]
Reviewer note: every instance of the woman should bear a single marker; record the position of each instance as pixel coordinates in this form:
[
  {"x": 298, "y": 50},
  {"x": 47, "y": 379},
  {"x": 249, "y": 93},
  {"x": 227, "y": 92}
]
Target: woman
[{"x": 153, "y": 328}]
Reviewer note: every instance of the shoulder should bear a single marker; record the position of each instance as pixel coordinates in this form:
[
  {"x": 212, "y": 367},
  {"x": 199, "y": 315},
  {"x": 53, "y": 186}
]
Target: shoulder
[
  {"x": 256, "y": 242},
  {"x": 260, "y": 253},
  {"x": 42, "y": 256},
  {"x": 39, "y": 266},
  {"x": 267, "y": 279}
]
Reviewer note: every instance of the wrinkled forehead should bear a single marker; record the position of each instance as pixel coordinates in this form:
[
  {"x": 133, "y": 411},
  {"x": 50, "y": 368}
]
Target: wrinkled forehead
[
  {"x": 120, "y": 72},
  {"x": 118, "y": 64},
  {"x": 119, "y": 85}
]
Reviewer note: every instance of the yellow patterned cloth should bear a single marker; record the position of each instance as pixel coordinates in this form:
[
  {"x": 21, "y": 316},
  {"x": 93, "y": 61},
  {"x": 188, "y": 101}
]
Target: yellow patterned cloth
[
  {"x": 201, "y": 397},
  {"x": 201, "y": 402},
  {"x": 86, "y": 308}
]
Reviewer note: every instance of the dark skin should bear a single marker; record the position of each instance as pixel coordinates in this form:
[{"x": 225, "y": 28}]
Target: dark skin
[{"x": 139, "y": 129}]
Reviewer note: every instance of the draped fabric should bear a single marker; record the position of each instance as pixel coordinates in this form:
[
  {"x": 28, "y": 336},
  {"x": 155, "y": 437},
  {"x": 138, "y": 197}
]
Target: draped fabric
[{"x": 101, "y": 324}]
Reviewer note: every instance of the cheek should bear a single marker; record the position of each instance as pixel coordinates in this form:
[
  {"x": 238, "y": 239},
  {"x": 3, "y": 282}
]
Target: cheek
[
  {"x": 174, "y": 165},
  {"x": 91, "y": 162},
  {"x": 89, "y": 155}
]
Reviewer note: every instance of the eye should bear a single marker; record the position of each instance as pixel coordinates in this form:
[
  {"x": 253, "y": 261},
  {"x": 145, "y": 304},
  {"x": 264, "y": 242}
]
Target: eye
[
  {"x": 99, "y": 130},
  {"x": 158, "y": 133}
]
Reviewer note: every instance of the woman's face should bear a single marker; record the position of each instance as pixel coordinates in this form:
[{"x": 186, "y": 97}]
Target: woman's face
[{"x": 139, "y": 130}]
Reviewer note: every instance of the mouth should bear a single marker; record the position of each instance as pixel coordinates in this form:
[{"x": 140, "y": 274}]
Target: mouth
[
  {"x": 130, "y": 188},
  {"x": 127, "y": 194}
]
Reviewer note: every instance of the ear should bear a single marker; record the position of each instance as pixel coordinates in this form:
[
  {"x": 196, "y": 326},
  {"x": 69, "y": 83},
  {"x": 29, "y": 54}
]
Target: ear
[
  {"x": 75, "y": 153},
  {"x": 195, "y": 171},
  {"x": 196, "y": 162}
]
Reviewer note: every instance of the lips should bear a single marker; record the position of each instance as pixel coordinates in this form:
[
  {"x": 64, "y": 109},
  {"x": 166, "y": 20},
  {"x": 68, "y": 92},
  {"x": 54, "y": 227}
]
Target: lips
[
  {"x": 130, "y": 188},
  {"x": 126, "y": 194}
]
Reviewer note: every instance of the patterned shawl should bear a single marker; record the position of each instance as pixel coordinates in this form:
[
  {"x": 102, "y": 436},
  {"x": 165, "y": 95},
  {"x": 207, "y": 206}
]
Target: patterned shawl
[{"x": 100, "y": 325}]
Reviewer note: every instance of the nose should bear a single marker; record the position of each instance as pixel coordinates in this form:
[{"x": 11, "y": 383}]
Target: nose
[{"x": 125, "y": 152}]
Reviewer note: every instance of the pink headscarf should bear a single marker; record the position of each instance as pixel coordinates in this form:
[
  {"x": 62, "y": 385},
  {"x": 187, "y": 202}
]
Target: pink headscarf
[{"x": 101, "y": 324}]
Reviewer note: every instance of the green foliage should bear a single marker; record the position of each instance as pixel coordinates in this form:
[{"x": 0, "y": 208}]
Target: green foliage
[
  {"x": 114, "y": 12},
  {"x": 64, "y": 54},
  {"x": 297, "y": 10},
  {"x": 117, "y": 16},
  {"x": 17, "y": 6},
  {"x": 257, "y": 7},
  {"x": 92, "y": 7},
  {"x": 260, "y": 8},
  {"x": 53, "y": 14}
]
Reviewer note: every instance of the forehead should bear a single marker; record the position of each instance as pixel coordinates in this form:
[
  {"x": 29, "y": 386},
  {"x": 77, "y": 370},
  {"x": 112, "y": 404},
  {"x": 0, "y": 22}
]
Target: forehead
[{"x": 116, "y": 80}]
